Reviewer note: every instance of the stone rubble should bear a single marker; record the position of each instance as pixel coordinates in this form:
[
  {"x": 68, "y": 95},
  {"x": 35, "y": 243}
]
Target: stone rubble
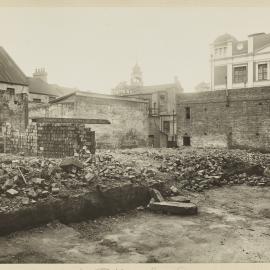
[{"x": 27, "y": 180}]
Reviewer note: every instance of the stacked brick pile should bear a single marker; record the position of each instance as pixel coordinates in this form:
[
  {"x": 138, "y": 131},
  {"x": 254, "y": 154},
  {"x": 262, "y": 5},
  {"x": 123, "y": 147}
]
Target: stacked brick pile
[
  {"x": 62, "y": 139},
  {"x": 48, "y": 139},
  {"x": 16, "y": 142}
]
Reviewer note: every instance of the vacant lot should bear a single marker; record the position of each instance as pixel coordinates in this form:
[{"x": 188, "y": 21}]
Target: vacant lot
[{"x": 233, "y": 225}]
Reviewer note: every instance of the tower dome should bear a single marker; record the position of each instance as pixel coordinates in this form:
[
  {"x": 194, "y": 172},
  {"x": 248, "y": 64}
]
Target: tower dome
[{"x": 224, "y": 38}]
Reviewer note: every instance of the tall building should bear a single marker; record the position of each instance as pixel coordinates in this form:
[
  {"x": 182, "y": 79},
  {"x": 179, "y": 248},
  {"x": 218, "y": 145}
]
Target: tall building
[
  {"x": 161, "y": 106},
  {"x": 240, "y": 64}
]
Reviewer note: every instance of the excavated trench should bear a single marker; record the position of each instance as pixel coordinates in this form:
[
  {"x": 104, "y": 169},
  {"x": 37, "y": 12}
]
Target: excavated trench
[{"x": 76, "y": 208}]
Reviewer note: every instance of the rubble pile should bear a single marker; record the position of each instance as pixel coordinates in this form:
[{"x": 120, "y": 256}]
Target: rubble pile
[
  {"x": 25, "y": 180},
  {"x": 199, "y": 170}
]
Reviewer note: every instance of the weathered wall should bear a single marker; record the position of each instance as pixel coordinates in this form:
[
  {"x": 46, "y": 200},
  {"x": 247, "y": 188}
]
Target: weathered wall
[
  {"x": 48, "y": 139},
  {"x": 42, "y": 98},
  {"x": 13, "y": 109},
  {"x": 129, "y": 119},
  {"x": 234, "y": 118}
]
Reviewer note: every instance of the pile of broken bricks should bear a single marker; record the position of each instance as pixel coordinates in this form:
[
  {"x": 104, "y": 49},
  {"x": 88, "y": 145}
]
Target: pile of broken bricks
[{"x": 177, "y": 205}]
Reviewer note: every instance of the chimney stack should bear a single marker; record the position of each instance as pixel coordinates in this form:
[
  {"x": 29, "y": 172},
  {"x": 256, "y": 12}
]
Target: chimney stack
[{"x": 40, "y": 73}]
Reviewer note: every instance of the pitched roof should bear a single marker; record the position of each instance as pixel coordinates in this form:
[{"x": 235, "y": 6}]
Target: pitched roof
[
  {"x": 97, "y": 95},
  {"x": 9, "y": 71},
  {"x": 38, "y": 86},
  {"x": 260, "y": 41}
]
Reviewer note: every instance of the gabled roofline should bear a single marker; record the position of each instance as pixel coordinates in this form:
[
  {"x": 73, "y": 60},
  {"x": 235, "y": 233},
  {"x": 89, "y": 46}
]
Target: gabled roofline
[
  {"x": 97, "y": 95},
  {"x": 14, "y": 63}
]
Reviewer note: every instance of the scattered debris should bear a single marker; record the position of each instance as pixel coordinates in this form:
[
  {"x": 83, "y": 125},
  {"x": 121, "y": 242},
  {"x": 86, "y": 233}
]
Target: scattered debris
[{"x": 171, "y": 171}]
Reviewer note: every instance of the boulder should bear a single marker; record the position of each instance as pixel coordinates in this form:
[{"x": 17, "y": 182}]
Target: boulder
[
  {"x": 70, "y": 163},
  {"x": 177, "y": 208}
]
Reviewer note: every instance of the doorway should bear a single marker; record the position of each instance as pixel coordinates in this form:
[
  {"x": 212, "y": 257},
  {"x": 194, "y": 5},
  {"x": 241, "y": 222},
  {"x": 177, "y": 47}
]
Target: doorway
[{"x": 186, "y": 141}]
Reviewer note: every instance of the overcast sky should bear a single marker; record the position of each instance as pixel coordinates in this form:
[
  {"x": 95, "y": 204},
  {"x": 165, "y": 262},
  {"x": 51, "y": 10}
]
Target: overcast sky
[{"x": 95, "y": 48}]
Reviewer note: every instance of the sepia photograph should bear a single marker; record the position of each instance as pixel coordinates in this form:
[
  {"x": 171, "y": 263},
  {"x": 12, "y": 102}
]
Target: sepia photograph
[{"x": 134, "y": 134}]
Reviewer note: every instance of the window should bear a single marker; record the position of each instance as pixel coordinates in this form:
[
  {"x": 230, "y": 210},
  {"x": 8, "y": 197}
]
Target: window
[
  {"x": 162, "y": 97},
  {"x": 166, "y": 126},
  {"x": 187, "y": 112},
  {"x": 240, "y": 74},
  {"x": 262, "y": 72},
  {"x": 37, "y": 100},
  {"x": 11, "y": 91}
]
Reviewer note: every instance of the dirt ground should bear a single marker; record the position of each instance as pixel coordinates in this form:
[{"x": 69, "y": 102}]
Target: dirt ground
[{"x": 233, "y": 225}]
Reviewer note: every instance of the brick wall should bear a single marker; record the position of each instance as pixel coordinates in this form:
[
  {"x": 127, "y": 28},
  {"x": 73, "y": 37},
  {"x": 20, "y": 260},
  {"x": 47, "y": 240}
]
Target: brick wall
[{"x": 234, "y": 118}]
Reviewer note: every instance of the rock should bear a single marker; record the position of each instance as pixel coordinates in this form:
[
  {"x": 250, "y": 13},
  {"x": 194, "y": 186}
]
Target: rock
[
  {"x": 140, "y": 208},
  {"x": 174, "y": 190},
  {"x": 32, "y": 194},
  {"x": 38, "y": 181},
  {"x": 63, "y": 194},
  {"x": 180, "y": 199},
  {"x": 177, "y": 208},
  {"x": 70, "y": 163},
  {"x": 89, "y": 176},
  {"x": 25, "y": 201},
  {"x": 8, "y": 184},
  {"x": 12, "y": 192},
  {"x": 55, "y": 190},
  {"x": 44, "y": 193},
  {"x": 155, "y": 194}
]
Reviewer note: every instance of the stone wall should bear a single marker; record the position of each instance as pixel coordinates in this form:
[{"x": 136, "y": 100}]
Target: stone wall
[
  {"x": 129, "y": 118},
  {"x": 232, "y": 118},
  {"x": 13, "y": 109}
]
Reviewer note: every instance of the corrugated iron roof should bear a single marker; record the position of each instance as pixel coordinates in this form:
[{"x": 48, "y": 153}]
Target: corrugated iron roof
[{"x": 9, "y": 71}]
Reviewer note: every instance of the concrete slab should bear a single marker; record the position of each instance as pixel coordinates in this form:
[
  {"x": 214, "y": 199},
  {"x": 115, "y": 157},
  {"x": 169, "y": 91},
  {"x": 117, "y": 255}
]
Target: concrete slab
[
  {"x": 177, "y": 208},
  {"x": 179, "y": 199},
  {"x": 156, "y": 195}
]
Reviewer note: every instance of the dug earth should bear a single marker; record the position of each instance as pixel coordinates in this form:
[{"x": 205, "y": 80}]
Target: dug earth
[{"x": 225, "y": 194}]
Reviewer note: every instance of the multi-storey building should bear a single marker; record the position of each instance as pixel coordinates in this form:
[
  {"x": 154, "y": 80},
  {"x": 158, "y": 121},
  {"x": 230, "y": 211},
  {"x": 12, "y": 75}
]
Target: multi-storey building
[{"x": 240, "y": 64}]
